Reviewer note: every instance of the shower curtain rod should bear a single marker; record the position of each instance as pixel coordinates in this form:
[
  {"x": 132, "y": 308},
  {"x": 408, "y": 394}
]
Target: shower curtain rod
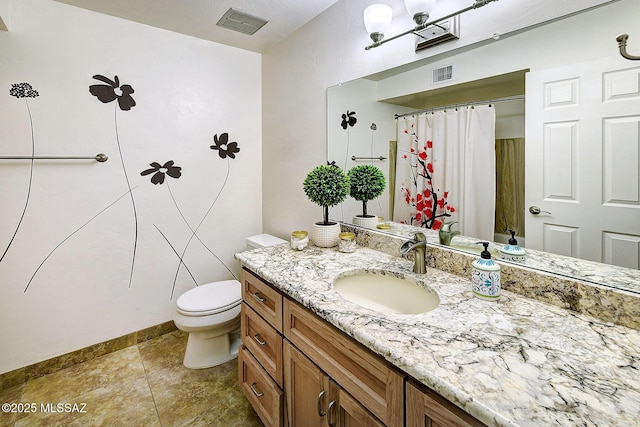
[{"x": 464, "y": 104}]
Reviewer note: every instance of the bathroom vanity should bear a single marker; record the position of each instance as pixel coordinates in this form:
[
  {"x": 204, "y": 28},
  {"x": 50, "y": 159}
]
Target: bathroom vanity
[{"x": 311, "y": 357}]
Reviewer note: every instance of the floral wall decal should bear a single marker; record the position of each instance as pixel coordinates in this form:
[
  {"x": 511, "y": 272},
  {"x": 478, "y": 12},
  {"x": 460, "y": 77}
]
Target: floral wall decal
[
  {"x": 224, "y": 147},
  {"x": 23, "y": 90},
  {"x": 226, "y": 150},
  {"x": 160, "y": 170},
  {"x": 429, "y": 208},
  {"x": 106, "y": 93},
  {"x": 349, "y": 120},
  {"x": 112, "y": 90}
]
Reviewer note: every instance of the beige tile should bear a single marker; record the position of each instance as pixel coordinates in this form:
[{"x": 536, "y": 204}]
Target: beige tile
[
  {"x": 233, "y": 412},
  {"x": 77, "y": 357},
  {"x": 164, "y": 352},
  {"x": 10, "y": 395},
  {"x": 12, "y": 378},
  {"x": 182, "y": 393},
  {"x": 155, "y": 331},
  {"x": 142, "y": 385},
  {"x": 108, "y": 385}
]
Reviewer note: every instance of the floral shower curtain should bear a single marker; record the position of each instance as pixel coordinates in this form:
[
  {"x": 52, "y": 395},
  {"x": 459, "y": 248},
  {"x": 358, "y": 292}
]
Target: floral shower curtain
[{"x": 445, "y": 170}]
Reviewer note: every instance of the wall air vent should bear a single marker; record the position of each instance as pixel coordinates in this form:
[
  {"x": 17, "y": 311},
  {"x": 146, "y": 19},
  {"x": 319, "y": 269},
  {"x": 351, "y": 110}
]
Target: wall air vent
[
  {"x": 442, "y": 74},
  {"x": 439, "y": 33},
  {"x": 241, "y": 22}
]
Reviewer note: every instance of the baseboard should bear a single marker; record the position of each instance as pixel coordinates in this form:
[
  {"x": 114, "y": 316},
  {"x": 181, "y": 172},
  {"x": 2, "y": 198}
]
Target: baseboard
[{"x": 22, "y": 375}]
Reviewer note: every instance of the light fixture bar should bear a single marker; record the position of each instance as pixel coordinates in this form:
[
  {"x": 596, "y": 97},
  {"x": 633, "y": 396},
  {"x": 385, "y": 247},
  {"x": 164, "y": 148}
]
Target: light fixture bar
[{"x": 476, "y": 5}]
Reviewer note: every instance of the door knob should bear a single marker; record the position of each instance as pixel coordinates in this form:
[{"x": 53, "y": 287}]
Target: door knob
[{"x": 534, "y": 210}]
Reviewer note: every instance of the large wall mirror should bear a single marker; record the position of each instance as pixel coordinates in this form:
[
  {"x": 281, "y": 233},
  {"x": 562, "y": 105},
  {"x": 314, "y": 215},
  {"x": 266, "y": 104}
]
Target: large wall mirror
[{"x": 565, "y": 133}]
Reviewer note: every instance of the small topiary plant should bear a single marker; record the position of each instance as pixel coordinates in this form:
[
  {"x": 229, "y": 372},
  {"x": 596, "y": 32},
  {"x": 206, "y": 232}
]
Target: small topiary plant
[
  {"x": 366, "y": 183},
  {"x": 326, "y": 185}
]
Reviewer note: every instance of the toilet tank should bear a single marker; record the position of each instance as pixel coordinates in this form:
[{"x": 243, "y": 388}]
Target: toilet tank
[{"x": 262, "y": 241}]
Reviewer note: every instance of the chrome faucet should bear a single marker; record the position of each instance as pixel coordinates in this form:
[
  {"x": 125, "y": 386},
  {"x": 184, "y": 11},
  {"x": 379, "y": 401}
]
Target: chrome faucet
[
  {"x": 445, "y": 234},
  {"x": 419, "y": 245}
]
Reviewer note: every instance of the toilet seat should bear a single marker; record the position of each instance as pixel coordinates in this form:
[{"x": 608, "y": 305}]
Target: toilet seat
[{"x": 211, "y": 298}]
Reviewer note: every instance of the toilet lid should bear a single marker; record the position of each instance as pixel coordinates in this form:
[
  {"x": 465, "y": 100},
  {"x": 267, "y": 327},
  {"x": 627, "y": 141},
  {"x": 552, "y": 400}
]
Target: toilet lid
[{"x": 210, "y": 298}]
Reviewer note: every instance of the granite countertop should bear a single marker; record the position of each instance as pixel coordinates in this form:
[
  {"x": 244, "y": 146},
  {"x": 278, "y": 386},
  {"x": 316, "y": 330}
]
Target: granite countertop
[
  {"x": 515, "y": 362},
  {"x": 610, "y": 276}
]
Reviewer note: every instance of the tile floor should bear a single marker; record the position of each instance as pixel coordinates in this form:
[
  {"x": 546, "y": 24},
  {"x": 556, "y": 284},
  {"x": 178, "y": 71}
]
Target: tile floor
[{"x": 142, "y": 385}]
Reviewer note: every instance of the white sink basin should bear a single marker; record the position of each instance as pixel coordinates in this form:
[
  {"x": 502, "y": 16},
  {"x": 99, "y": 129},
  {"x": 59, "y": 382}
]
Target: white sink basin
[{"x": 386, "y": 293}]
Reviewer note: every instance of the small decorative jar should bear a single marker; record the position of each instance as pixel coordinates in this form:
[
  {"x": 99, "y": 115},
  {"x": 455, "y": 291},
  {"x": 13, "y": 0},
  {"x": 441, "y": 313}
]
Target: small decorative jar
[
  {"x": 347, "y": 242},
  {"x": 299, "y": 240}
]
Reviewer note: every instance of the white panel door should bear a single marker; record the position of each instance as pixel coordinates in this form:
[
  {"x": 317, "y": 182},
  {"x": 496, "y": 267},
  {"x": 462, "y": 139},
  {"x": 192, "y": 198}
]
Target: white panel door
[{"x": 583, "y": 160}]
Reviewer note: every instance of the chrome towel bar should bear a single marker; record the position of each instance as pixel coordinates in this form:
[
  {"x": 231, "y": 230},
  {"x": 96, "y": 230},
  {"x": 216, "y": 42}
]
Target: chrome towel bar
[
  {"x": 98, "y": 157},
  {"x": 354, "y": 158}
]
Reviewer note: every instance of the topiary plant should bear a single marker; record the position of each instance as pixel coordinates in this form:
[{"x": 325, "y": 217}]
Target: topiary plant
[
  {"x": 366, "y": 183},
  {"x": 326, "y": 185}
]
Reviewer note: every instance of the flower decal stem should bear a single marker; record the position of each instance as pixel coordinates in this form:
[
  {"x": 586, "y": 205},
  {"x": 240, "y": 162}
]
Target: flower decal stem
[
  {"x": 109, "y": 92},
  {"x": 24, "y": 90},
  {"x": 226, "y": 150}
]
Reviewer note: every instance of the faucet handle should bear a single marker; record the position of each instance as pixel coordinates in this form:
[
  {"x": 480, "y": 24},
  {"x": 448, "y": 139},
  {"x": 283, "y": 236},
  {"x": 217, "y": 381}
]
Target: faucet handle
[{"x": 419, "y": 237}]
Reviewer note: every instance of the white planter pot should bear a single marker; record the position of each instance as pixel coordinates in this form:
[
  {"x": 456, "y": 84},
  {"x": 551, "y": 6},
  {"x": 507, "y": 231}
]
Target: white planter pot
[
  {"x": 365, "y": 222},
  {"x": 325, "y": 236}
]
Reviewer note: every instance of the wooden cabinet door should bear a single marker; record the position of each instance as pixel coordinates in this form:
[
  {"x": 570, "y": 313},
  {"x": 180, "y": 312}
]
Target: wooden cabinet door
[
  {"x": 345, "y": 411},
  {"x": 425, "y": 408},
  {"x": 307, "y": 388}
]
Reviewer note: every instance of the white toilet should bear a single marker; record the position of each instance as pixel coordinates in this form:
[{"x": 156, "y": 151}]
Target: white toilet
[{"x": 210, "y": 313}]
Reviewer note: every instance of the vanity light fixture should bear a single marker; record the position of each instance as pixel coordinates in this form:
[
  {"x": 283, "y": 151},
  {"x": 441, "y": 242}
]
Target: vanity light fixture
[
  {"x": 419, "y": 11},
  {"x": 377, "y": 19}
]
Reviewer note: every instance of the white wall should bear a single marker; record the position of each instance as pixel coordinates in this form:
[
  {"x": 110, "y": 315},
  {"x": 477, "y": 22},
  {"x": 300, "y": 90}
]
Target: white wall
[
  {"x": 187, "y": 90},
  {"x": 330, "y": 49}
]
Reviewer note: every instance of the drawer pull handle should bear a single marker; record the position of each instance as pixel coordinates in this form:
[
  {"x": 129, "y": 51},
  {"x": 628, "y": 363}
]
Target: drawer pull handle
[
  {"x": 258, "y": 298},
  {"x": 258, "y": 340},
  {"x": 253, "y": 389},
  {"x": 319, "y": 403},
  {"x": 330, "y": 410}
]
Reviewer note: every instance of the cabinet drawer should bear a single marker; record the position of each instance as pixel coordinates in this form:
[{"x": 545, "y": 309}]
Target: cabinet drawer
[
  {"x": 364, "y": 375},
  {"x": 263, "y": 298},
  {"x": 263, "y": 341},
  {"x": 262, "y": 392}
]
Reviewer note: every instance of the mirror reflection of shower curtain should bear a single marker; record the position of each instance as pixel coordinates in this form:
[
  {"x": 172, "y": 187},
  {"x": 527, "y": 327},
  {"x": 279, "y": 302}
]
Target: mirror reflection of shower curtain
[
  {"x": 510, "y": 208},
  {"x": 445, "y": 170}
]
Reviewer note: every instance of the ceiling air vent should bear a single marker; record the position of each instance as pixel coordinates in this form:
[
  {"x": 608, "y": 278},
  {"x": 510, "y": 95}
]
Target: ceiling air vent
[
  {"x": 241, "y": 22},
  {"x": 439, "y": 33},
  {"x": 442, "y": 74}
]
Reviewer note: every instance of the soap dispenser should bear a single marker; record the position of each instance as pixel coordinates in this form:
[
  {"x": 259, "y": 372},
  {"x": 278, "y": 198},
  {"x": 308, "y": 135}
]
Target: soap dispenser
[
  {"x": 485, "y": 276},
  {"x": 512, "y": 252}
]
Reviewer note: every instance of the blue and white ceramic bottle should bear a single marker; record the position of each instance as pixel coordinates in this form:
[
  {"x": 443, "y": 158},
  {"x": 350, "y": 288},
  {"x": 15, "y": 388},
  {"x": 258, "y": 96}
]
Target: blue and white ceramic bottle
[
  {"x": 512, "y": 251},
  {"x": 485, "y": 276}
]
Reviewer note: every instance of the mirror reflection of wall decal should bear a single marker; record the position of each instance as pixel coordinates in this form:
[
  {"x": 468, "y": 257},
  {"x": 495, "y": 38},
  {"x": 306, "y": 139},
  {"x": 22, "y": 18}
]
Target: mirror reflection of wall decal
[
  {"x": 349, "y": 120},
  {"x": 23, "y": 90},
  {"x": 106, "y": 93}
]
